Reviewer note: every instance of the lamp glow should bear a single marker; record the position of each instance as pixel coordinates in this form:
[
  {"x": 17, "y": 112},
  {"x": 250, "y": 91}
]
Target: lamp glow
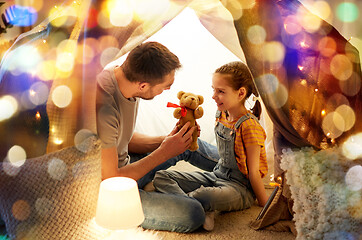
[{"x": 119, "y": 204}]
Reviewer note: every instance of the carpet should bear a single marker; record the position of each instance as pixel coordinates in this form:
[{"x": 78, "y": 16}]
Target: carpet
[{"x": 228, "y": 225}]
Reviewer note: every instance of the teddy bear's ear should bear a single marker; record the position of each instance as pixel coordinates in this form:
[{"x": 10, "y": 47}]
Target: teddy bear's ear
[
  {"x": 201, "y": 99},
  {"x": 179, "y": 94}
]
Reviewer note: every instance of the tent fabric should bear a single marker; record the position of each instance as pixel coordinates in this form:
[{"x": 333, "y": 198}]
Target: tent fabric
[{"x": 294, "y": 98}]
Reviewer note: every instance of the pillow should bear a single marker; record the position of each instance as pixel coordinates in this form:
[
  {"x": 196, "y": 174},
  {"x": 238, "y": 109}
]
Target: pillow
[{"x": 53, "y": 196}]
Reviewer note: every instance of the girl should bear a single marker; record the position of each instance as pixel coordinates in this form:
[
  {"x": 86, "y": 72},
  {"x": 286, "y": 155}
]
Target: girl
[{"x": 237, "y": 178}]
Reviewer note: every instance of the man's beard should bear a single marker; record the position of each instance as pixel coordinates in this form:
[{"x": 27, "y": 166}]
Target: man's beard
[{"x": 145, "y": 96}]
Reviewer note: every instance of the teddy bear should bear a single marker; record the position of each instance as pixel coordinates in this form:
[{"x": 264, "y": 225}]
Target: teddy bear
[{"x": 188, "y": 111}]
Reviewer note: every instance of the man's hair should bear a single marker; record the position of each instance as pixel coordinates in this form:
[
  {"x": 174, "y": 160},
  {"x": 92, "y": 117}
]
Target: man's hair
[{"x": 150, "y": 62}]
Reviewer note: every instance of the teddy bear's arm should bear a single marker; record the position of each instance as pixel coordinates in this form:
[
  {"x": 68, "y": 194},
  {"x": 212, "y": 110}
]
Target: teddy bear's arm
[
  {"x": 199, "y": 112},
  {"x": 177, "y": 113}
]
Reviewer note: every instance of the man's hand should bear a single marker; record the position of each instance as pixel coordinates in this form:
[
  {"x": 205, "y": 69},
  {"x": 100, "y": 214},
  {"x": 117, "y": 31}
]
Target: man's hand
[{"x": 177, "y": 141}]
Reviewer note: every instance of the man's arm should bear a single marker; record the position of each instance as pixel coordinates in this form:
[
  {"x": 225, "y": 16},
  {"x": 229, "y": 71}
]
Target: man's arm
[
  {"x": 141, "y": 143},
  {"x": 172, "y": 145}
]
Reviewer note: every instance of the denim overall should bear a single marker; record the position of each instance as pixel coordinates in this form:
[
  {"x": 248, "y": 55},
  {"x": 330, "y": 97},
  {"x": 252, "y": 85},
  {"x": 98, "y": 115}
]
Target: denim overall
[
  {"x": 227, "y": 167},
  {"x": 223, "y": 189}
]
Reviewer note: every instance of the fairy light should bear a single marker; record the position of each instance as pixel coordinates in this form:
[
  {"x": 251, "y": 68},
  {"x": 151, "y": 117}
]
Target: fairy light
[
  {"x": 32, "y": 92},
  {"x": 303, "y": 44},
  {"x": 323, "y": 112},
  {"x": 58, "y": 141},
  {"x": 316, "y": 90},
  {"x": 300, "y": 67},
  {"x": 303, "y": 82},
  {"x": 37, "y": 116}
]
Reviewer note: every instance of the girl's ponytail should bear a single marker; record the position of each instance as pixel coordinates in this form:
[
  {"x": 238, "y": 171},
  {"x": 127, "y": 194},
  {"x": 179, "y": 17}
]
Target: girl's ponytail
[{"x": 256, "y": 110}]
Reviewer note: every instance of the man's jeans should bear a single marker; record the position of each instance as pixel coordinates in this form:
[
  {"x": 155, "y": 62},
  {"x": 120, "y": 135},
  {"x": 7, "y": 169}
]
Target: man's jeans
[{"x": 172, "y": 212}]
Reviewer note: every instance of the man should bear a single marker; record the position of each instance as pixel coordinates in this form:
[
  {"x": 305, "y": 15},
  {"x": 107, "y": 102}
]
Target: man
[{"x": 148, "y": 70}]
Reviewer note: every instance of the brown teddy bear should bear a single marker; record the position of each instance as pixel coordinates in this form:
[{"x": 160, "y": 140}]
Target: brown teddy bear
[{"x": 188, "y": 111}]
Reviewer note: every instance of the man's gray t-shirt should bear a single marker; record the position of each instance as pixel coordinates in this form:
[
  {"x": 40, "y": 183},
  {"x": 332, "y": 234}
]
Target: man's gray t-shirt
[{"x": 116, "y": 115}]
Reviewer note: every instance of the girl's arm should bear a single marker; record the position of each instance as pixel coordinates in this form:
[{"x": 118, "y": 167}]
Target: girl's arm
[{"x": 253, "y": 156}]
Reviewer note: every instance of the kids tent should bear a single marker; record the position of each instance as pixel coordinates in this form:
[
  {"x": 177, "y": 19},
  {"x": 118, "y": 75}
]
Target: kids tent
[{"x": 308, "y": 77}]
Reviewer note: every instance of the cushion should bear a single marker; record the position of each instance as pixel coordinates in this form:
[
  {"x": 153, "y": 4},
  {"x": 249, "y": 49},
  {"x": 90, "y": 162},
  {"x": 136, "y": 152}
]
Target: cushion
[
  {"x": 53, "y": 196},
  {"x": 326, "y": 190}
]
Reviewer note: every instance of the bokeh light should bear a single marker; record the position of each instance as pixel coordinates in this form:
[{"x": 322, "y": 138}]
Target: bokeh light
[
  {"x": 16, "y": 156},
  {"x": 21, "y": 210},
  {"x": 62, "y": 96},
  {"x": 103, "y": 19},
  {"x": 347, "y": 12},
  {"x": 234, "y": 7},
  {"x": 38, "y": 93},
  {"x": 85, "y": 54},
  {"x": 67, "y": 19},
  {"x": 269, "y": 83},
  {"x": 354, "y": 178},
  {"x": 351, "y": 86},
  {"x": 327, "y": 46},
  {"x": 348, "y": 115},
  {"x": 57, "y": 169},
  {"x": 46, "y": 70},
  {"x": 80, "y": 137},
  {"x": 335, "y": 101},
  {"x": 273, "y": 52},
  {"x": 8, "y": 106},
  {"x": 247, "y": 4},
  {"x": 43, "y": 206},
  {"x": 121, "y": 14},
  {"x": 321, "y": 9},
  {"x": 27, "y": 57},
  {"x": 108, "y": 41},
  {"x": 291, "y": 25},
  {"x": 256, "y": 34},
  {"x": 352, "y": 147},
  {"x": 65, "y": 62},
  {"x": 108, "y": 55},
  {"x": 357, "y": 43},
  {"x": 331, "y": 125},
  {"x": 310, "y": 22},
  {"x": 341, "y": 67}
]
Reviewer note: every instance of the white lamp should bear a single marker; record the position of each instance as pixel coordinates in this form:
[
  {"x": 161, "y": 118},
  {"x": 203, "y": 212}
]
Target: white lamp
[{"x": 119, "y": 204}]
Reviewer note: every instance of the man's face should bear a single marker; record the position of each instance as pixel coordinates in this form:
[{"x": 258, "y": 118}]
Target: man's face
[{"x": 153, "y": 91}]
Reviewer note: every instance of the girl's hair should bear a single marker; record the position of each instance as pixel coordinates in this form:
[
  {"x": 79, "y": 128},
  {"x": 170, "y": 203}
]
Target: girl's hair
[{"x": 240, "y": 76}]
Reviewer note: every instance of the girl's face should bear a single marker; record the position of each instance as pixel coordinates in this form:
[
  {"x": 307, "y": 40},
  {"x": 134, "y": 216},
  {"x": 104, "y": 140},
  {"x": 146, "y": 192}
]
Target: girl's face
[{"x": 225, "y": 96}]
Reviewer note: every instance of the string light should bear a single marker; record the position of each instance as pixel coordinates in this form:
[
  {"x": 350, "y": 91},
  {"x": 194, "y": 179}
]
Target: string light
[
  {"x": 303, "y": 44},
  {"x": 37, "y": 116},
  {"x": 58, "y": 141}
]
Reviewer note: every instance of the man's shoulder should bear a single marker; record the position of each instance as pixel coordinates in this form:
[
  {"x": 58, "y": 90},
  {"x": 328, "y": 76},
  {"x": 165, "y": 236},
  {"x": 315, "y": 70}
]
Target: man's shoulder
[{"x": 105, "y": 82}]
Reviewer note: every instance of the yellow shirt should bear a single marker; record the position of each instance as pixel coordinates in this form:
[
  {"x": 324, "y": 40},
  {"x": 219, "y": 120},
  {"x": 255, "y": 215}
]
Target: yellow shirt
[{"x": 251, "y": 133}]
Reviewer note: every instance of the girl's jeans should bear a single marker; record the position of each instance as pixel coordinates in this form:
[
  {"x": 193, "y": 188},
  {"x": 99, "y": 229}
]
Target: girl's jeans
[
  {"x": 205, "y": 158},
  {"x": 172, "y": 212}
]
